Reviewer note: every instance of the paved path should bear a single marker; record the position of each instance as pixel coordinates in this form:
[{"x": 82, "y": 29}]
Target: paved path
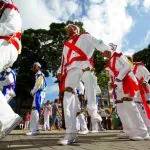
[{"x": 105, "y": 140}]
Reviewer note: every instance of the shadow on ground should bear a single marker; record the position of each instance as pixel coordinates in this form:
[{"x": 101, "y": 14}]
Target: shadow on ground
[{"x": 50, "y": 140}]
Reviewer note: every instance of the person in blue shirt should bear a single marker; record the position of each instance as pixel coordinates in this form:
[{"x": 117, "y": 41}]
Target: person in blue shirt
[
  {"x": 38, "y": 93},
  {"x": 8, "y": 83}
]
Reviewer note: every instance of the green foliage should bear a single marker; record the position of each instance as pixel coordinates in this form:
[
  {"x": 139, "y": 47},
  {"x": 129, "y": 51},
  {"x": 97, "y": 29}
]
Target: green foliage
[
  {"x": 103, "y": 79},
  {"x": 44, "y": 46},
  {"x": 99, "y": 64}
]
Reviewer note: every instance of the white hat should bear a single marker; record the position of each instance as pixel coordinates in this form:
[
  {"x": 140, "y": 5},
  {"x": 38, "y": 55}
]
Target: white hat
[{"x": 37, "y": 63}]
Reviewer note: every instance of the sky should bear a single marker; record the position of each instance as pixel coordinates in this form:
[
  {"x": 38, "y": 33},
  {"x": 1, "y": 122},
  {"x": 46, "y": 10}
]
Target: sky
[{"x": 123, "y": 22}]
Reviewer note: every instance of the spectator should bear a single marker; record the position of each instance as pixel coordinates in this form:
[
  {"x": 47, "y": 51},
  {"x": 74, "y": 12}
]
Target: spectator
[
  {"x": 47, "y": 112},
  {"x": 21, "y": 125},
  {"x": 55, "y": 113},
  {"x": 27, "y": 120},
  {"x": 103, "y": 115},
  {"x": 108, "y": 114}
]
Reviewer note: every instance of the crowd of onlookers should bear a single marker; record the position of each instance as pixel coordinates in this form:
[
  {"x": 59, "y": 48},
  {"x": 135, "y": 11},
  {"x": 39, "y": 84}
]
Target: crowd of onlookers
[
  {"x": 51, "y": 118},
  {"x": 110, "y": 121},
  {"x": 51, "y": 115}
]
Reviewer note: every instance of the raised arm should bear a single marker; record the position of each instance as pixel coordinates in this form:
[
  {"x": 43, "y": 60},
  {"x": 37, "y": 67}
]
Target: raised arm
[{"x": 125, "y": 67}]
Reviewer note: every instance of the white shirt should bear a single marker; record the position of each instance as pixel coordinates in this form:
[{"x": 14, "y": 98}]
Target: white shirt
[
  {"x": 10, "y": 22},
  {"x": 9, "y": 79},
  {"x": 38, "y": 83},
  {"x": 123, "y": 67},
  {"x": 80, "y": 88},
  {"x": 87, "y": 44},
  {"x": 142, "y": 72}
]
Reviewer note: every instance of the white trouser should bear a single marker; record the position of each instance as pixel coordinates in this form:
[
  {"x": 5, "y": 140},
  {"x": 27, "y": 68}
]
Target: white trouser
[
  {"x": 69, "y": 104},
  {"x": 46, "y": 121},
  {"x": 34, "y": 121},
  {"x": 21, "y": 126},
  {"x": 125, "y": 120},
  {"x": 81, "y": 123},
  {"x": 9, "y": 95},
  {"x": 8, "y": 54},
  {"x": 26, "y": 126},
  {"x": 90, "y": 92},
  {"x": 136, "y": 123},
  {"x": 142, "y": 110},
  {"x": 72, "y": 80},
  {"x": 143, "y": 114},
  {"x": 6, "y": 112},
  {"x": 95, "y": 126},
  {"x": 42, "y": 97},
  {"x": 77, "y": 124}
]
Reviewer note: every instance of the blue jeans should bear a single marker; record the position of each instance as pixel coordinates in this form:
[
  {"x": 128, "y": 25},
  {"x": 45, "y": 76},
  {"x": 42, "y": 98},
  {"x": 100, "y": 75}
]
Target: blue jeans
[{"x": 55, "y": 120}]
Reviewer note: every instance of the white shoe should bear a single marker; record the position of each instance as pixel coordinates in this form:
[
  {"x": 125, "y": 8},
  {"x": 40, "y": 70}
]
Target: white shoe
[
  {"x": 147, "y": 138},
  {"x": 95, "y": 115},
  {"x": 70, "y": 138},
  {"x": 136, "y": 138},
  {"x": 11, "y": 125},
  {"x": 83, "y": 132},
  {"x": 32, "y": 133},
  {"x": 123, "y": 136},
  {"x": 102, "y": 129},
  {"x": 94, "y": 131}
]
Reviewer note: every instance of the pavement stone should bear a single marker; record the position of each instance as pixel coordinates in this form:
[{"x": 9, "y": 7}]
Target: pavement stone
[{"x": 47, "y": 140}]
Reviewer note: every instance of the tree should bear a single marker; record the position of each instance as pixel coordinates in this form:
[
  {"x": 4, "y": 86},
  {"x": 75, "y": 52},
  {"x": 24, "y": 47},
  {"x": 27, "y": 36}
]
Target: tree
[
  {"x": 32, "y": 51},
  {"x": 99, "y": 64},
  {"x": 144, "y": 56},
  {"x": 45, "y": 46}
]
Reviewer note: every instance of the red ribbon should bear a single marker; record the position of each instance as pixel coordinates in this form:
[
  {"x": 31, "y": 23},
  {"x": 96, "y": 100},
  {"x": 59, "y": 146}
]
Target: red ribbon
[
  {"x": 144, "y": 90},
  {"x": 82, "y": 57},
  {"x": 11, "y": 6},
  {"x": 129, "y": 86},
  {"x": 136, "y": 64},
  {"x": 147, "y": 109},
  {"x": 62, "y": 77},
  {"x": 12, "y": 40}
]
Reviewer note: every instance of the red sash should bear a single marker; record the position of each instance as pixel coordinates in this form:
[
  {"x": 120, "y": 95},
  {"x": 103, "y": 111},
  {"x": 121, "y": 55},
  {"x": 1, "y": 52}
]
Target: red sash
[
  {"x": 136, "y": 64},
  {"x": 142, "y": 93},
  {"x": 129, "y": 86},
  {"x": 11, "y": 39},
  {"x": 62, "y": 77},
  {"x": 72, "y": 47},
  {"x": 112, "y": 62},
  {"x": 82, "y": 57},
  {"x": 16, "y": 35},
  {"x": 11, "y": 6},
  {"x": 143, "y": 90}
]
